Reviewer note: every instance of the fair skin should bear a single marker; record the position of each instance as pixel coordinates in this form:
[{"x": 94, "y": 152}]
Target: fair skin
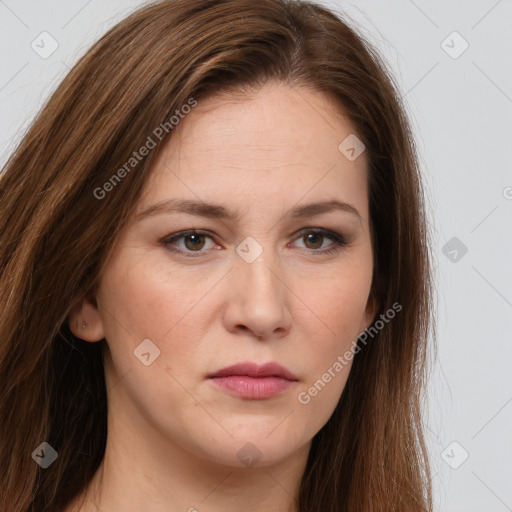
[{"x": 173, "y": 437}]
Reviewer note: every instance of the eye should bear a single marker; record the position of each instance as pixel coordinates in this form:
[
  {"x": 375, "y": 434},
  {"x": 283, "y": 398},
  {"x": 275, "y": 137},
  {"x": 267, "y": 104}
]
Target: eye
[
  {"x": 193, "y": 240},
  {"x": 315, "y": 238}
]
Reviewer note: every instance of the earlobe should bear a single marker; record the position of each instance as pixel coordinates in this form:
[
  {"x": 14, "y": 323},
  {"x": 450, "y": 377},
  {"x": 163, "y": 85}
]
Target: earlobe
[{"x": 85, "y": 321}]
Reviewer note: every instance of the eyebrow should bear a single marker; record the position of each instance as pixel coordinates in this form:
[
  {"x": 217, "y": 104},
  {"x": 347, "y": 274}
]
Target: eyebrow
[{"x": 215, "y": 211}]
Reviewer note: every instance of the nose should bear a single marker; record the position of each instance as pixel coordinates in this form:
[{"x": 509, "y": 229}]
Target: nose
[{"x": 258, "y": 298}]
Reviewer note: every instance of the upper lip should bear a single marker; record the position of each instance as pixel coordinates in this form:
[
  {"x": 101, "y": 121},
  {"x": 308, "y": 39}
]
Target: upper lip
[{"x": 254, "y": 370}]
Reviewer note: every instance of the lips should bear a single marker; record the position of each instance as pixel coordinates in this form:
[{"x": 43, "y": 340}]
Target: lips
[
  {"x": 253, "y": 370},
  {"x": 251, "y": 381}
]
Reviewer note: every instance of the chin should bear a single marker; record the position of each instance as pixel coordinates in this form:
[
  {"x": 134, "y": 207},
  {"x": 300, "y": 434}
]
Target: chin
[{"x": 249, "y": 451}]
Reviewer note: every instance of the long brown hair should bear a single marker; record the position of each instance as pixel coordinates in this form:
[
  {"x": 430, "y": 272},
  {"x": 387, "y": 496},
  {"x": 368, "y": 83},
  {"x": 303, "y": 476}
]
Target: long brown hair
[{"x": 56, "y": 234}]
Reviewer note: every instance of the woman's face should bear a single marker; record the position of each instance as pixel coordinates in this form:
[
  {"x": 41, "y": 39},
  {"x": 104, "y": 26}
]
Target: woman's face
[{"x": 258, "y": 283}]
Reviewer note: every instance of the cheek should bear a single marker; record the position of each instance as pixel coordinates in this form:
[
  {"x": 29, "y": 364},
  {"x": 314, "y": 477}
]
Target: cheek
[
  {"x": 338, "y": 304},
  {"x": 135, "y": 307},
  {"x": 338, "y": 307},
  {"x": 139, "y": 305},
  {"x": 144, "y": 301},
  {"x": 140, "y": 297}
]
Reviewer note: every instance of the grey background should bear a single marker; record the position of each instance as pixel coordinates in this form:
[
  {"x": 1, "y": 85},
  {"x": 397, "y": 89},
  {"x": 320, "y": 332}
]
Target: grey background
[{"x": 461, "y": 110}]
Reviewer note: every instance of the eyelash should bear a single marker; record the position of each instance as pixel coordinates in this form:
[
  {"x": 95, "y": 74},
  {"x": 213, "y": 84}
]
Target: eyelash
[{"x": 339, "y": 241}]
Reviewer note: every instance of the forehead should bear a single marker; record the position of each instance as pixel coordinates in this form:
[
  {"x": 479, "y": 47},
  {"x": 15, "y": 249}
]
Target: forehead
[{"x": 276, "y": 146}]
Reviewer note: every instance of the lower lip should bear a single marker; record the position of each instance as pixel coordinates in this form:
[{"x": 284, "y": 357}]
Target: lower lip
[{"x": 255, "y": 388}]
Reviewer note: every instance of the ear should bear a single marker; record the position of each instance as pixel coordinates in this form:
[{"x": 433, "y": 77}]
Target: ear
[
  {"x": 85, "y": 321},
  {"x": 372, "y": 307}
]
